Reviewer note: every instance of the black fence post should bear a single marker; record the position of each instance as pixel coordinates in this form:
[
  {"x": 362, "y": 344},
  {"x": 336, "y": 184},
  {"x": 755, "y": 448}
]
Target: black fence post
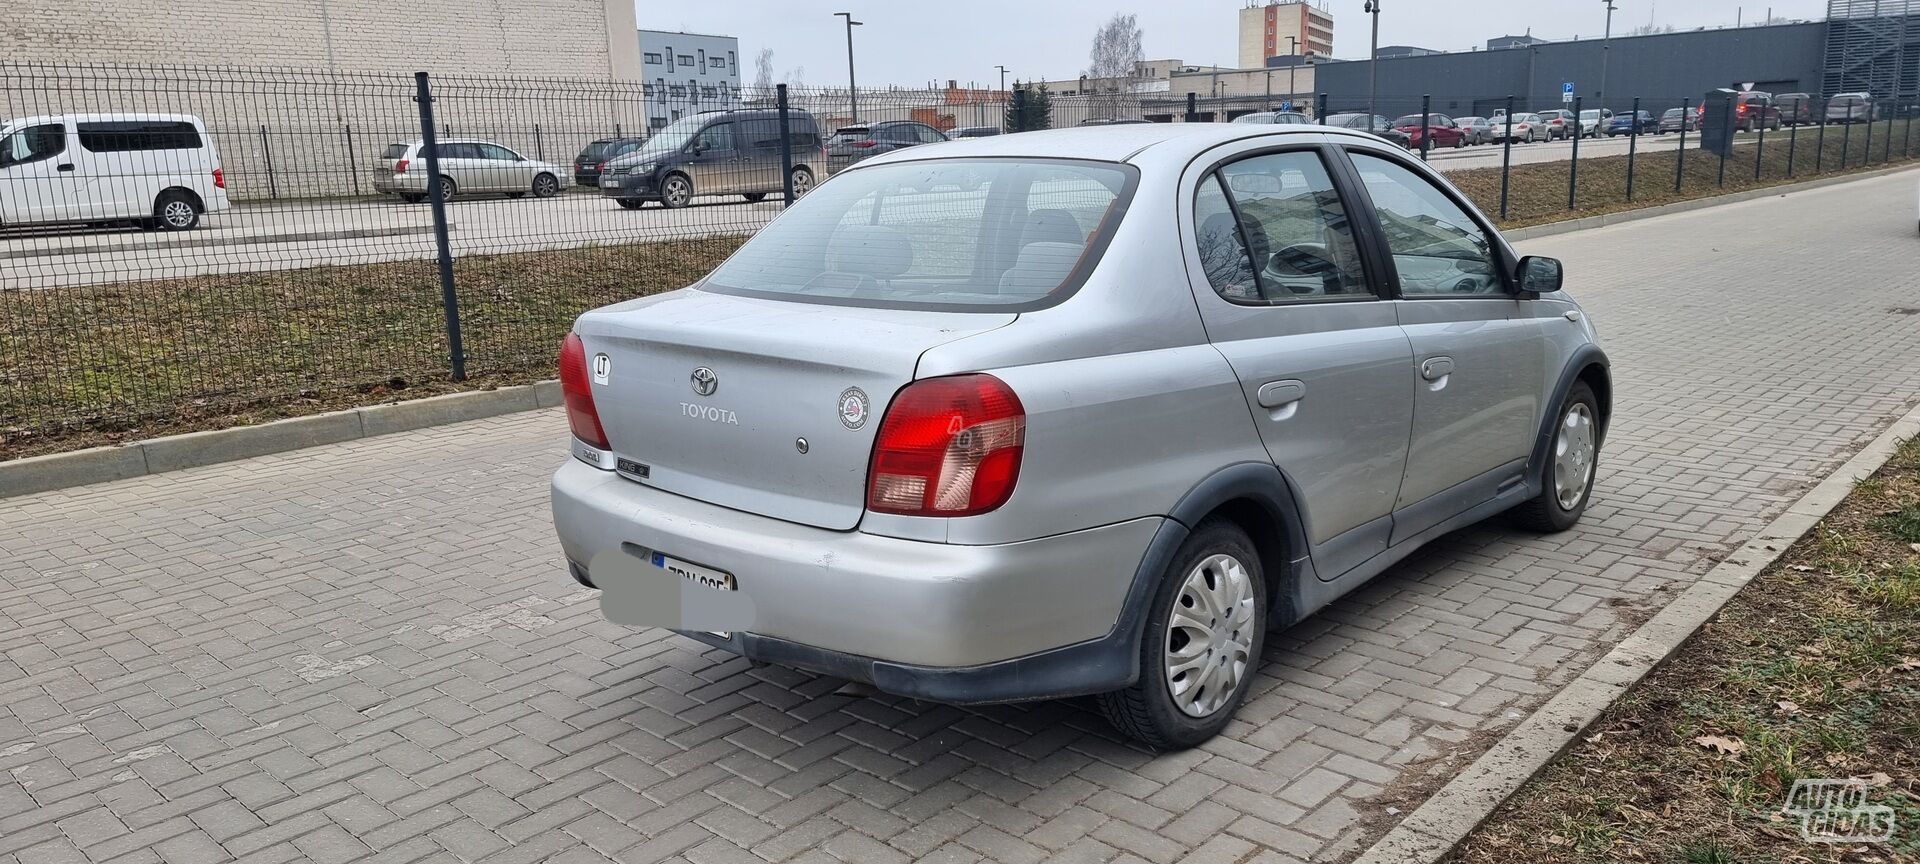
[
  {"x": 1846, "y": 136},
  {"x": 1426, "y": 117},
  {"x": 1793, "y": 140},
  {"x": 1820, "y": 137},
  {"x": 449, "y": 301},
  {"x": 786, "y": 140},
  {"x": 1633, "y": 144},
  {"x": 1573, "y": 162},
  {"x": 1680, "y": 156},
  {"x": 1722, "y": 180},
  {"x": 1886, "y": 149},
  {"x": 1760, "y": 143},
  {"x": 1193, "y": 108},
  {"x": 1320, "y": 108},
  {"x": 1906, "y": 133},
  {"x": 353, "y": 163},
  {"x": 266, "y": 149},
  {"x": 1506, "y": 158},
  {"x": 1019, "y": 110},
  {"x": 539, "y": 152}
]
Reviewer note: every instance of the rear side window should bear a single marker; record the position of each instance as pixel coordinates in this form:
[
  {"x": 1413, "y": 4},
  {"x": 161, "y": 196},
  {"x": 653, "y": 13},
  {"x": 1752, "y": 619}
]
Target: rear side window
[
  {"x": 944, "y": 234},
  {"x": 1272, "y": 229},
  {"x": 395, "y": 151},
  {"x": 120, "y": 136}
]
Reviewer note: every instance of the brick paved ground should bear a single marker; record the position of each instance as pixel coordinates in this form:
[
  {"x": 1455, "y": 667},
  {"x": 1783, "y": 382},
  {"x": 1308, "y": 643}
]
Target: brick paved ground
[{"x": 370, "y": 650}]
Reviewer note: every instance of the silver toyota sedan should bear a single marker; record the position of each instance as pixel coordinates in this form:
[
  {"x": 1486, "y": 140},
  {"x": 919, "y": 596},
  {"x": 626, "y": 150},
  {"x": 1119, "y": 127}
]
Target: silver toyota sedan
[{"x": 1086, "y": 411}]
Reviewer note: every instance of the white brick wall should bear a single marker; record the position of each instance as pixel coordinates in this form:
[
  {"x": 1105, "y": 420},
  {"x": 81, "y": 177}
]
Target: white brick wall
[{"x": 572, "y": 38}]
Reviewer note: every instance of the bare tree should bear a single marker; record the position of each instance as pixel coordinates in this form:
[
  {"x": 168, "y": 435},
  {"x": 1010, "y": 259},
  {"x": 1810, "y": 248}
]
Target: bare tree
[
  {"x": 1114, "y": 64},
  {"x": 763, "y": 74}
]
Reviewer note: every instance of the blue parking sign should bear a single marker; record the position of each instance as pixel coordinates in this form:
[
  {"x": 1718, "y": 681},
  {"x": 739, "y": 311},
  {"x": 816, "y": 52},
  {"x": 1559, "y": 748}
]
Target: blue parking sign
[{"x": 1567, "y": 88}]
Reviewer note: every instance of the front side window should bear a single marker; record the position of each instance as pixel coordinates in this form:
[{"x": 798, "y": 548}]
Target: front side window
[
  {"x": 1437, "y": 247},
  {"x": 719, "y": 136},
  {"x": 1272, "y": 229},
  {"x": 946, "y": 234},
  {"x": 33, "y": 144}
]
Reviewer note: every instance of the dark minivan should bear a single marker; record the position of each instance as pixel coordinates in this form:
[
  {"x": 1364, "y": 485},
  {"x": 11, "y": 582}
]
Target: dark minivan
[
  {"x": 715, "y": 153},
  {"x": 593, "y": 157}
]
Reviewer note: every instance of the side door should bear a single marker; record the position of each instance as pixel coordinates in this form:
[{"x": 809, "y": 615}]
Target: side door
[
  {"x": 1477, "y": 355},
  {"x": 461, "y": 161},
  {"x": 714, "y": 163},
  {"x": 1286, "y": 295},
  {"x": 506, "y": 170},
  {"x": 38, "y": 180},
  {"x": 758, "y": 141}
]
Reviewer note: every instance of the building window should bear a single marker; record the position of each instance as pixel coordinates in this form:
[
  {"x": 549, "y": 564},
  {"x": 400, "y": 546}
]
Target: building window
[
  {"x": 686, "y": 59},
  {"x": 669, "y": 58},
  {"x": 653, "y": 58},
  {"x": 703, "y": 61},
  {"x": 733, "y": 65}
]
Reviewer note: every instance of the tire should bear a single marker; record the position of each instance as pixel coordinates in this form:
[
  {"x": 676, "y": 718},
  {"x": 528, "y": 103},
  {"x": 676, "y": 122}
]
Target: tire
[
  {"x": 802, "y": 181},
  {"x": 629, "y": 203},
  {"x": 1550, "y": 511},
  {"x": 676, "y": 191},
  {"x": 413, "y": 198},
  {"x": 1459, "y": 142},
  {"x": 1217, "y": 553},
  {"x": 174, "y": 210},
  {"x": 446, "y": 188},
  {"x": 516, "y": 195},
  {"x": 755, "y": 197},
  {"x": 545, "y": 185}
]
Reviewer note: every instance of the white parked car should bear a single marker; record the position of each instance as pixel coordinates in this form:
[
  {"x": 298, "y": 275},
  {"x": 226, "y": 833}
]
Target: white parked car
[
  {"x": 159, "y": 169},
  {"x": 466, "y": 165}
]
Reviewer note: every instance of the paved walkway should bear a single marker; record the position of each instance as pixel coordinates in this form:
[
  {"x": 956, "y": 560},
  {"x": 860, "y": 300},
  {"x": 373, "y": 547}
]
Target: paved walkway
[{"x": 370, "y": 650}]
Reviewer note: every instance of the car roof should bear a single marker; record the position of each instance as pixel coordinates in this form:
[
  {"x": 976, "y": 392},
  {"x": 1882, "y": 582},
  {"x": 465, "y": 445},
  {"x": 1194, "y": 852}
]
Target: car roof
[
  {"x": 106, "y": 117},
  {"x": 1125, "y": 142}
]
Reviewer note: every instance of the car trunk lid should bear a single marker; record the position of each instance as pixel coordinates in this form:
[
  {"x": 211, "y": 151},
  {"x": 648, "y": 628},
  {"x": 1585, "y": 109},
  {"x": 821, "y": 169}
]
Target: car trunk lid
[
  {"x": 389, "y": 160},
  {"x": 711, "y": 396}
]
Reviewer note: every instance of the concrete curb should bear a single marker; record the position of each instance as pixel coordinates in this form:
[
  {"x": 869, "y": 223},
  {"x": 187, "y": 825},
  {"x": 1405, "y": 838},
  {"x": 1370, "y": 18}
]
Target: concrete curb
[
  {"x": 1549, "y": 229},
  {"x": 1434, "y": 828},
  {"x": 193, "y": 449}
]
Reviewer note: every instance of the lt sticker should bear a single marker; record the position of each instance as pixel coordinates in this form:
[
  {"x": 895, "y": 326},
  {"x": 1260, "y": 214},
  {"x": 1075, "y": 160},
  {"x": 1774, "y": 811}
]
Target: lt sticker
[
  {"x": 602, "y": 367},
  {"x": 854, "y": 407}
]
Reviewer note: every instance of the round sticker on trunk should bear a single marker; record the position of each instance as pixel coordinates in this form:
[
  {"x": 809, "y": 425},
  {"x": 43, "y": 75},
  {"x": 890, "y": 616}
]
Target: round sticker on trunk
[{"x": 854, "y": 407}]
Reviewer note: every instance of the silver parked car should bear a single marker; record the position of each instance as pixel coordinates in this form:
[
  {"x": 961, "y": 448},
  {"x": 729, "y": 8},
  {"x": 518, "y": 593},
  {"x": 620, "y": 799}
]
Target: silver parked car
[
  {"x": 1478, "y": 130},
  {"x": 1283, "y": 118},
  {"x": 1095, "y": 427},
  {"x": 466, "y": 165},
  {"x": 1852, "y": 108}
]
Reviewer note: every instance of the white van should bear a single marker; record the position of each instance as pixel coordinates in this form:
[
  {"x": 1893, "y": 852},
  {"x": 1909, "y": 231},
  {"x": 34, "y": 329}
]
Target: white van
[{"x": 158, "y": 169}]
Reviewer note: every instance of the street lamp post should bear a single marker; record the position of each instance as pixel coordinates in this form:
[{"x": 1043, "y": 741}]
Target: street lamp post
[
  {"x": 1606, "y": 48},
  {"x": 1373, "y": 62},
  {"x": 1293, "y": 60},
  {"x": 853, "y": 94}
]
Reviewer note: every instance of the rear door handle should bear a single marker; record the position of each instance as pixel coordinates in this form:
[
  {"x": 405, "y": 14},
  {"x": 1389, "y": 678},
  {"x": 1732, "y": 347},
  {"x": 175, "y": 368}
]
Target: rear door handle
[
  {"x": 64, "y": 166},
  {"x": 1436, "y": 368},
  {"x": 1279, "y": 394}
]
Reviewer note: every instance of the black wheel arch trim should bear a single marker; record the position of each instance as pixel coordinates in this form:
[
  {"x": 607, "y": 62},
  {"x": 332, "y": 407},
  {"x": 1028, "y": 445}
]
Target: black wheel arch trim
[{"x": 1586, "y": 357}]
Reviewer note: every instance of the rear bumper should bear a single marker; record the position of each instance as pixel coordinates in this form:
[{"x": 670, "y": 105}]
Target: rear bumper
[
  {"x": 410, "y": 182},
  {"x": 1027, "y": 620}
]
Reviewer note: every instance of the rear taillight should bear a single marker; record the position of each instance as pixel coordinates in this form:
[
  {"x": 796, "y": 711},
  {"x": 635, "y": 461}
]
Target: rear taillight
[
  {"x": 600, "y": 167},
  {"x": 579, "y": 396},
  {"x": 948, "y": 447},
  {"x": 866, "y": 143},
  {"x": 400, "y": 167},
  {"x": 219, "y": 179}
]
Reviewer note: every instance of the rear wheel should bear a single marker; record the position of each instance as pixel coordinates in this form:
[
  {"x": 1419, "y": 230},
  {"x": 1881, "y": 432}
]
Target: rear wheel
[
  {"x": 629, "y": 204},
  {"x": 1572, "y": 461},
  {"x": 802, "y": 181},
  {"x": 546, "y": 186},
  {"x": 755, "y": 197},
  {"x": 1201, "y": 644},
  {"x": 446, "y": 188},
  {"x": 413, "y": 197},
  {"x": 175, "y": 211}
]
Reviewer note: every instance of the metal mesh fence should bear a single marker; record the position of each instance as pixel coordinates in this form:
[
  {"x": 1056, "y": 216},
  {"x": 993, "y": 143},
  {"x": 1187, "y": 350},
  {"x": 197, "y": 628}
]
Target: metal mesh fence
[{"x": 179, "y": 243}]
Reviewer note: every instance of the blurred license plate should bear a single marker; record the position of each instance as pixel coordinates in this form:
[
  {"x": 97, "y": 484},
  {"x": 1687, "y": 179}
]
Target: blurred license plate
[
  {"x": 609, "y": 183},
  {"x": 698, "y": 575}
]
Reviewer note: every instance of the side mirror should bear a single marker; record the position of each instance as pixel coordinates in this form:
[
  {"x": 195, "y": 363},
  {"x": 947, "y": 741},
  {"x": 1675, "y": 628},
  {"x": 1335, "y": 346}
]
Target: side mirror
[{"x": 1539, "y": 274}]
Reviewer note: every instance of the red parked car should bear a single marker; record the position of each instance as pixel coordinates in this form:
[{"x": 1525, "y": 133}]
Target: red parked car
[{"x": 1444, "y": 131}]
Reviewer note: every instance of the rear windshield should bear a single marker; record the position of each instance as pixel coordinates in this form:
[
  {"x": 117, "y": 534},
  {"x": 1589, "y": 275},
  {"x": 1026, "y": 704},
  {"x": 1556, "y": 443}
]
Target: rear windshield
[
  {"x": 853, "y": 133},
  {"x": 395, "y": 151},
  {"x": 947, "y": 234},
  {"x": 594, "y": 150}
]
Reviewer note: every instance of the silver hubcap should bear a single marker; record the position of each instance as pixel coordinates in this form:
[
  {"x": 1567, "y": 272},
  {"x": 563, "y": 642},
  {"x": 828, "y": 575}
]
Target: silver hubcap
[
  {"x": 543, "y": 186},
  {"x": 802, "y": 183},
  {"x": 677, "y": 191},
  {"x": 1573, "y": 456},
  {"x": 177, "y": 212},
  {"x": 1210, "y": 635}
]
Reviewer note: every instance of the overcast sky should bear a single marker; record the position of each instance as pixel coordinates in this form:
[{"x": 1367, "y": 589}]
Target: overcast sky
[{"x": 912, "y": 42}]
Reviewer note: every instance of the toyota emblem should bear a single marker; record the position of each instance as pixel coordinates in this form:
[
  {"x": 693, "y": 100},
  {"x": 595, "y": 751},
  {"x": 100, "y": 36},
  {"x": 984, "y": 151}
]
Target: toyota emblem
[{"x": 705, "y": 382}]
